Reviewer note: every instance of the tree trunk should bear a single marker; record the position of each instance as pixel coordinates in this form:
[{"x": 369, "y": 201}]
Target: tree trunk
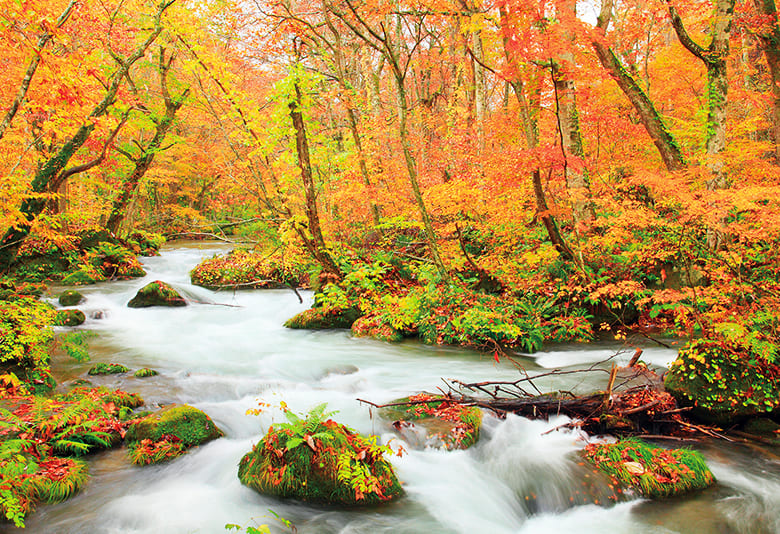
[
  {"x": 770, "y": 44},
  {"x": 571, "y": 144},
  {"x": 648, "y": 115},
  {"x": 714, "y": 58},
  {"x": 315, "y": 244}
]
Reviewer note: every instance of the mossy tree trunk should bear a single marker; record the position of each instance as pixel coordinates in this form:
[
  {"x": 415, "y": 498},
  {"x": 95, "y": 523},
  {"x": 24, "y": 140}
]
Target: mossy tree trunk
[
  {"x": 649, "y": 116},
  {"x": 142, "y": 163},
  {"x": 315, "y": 243},
  {"x": 770, "y": 44}
]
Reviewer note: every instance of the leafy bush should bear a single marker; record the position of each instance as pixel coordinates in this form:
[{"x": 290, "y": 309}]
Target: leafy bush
[
  {"x": 244, "y": 269},
  {"x": 25, "y": 334}
]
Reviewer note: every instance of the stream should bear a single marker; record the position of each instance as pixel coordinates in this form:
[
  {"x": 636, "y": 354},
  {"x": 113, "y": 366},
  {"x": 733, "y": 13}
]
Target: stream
[{"x": 228, "y": 350}]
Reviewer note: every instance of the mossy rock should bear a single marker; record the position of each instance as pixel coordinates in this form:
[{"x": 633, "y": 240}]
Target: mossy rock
[
  {"x": 333, "y": 466},
  {"x": 650, "y": 471},
  {"x": 145, "y": 243},
  {"x": 156, "y": 293},
  {"x": 724, "y": 384},
  {"x": 186, "y": 423},
  {"x": 145, "y": 372},
  {"x": 320, "y": 319},
  {"x": 243, "y": 269},
  {"x": 374, "y": 326},
  {"x": 69, "y": 318},
  {"x": 70, "y": 298},
  {"x": 107, "y": 369},
  {"x": 447, "y": 425},
  {"x": 81, "y": 277}
]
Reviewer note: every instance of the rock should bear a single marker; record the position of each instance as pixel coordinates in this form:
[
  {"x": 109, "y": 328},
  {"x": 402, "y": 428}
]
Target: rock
[
  {"x": 723, "y": 383},
  {"x": 188, "y": 424},
  {"x": 650, "y": 471},
  {"x": 80, "y": 277},
  {"x": 156, "y": 293},
  {"x": 292, "y": 463},
  {"x": 320, "y": 319},
  {"x": 432, "y": 423},
  {"x": 107, "y": 369},
  {"x": 69, "y": 318},
  {"x": 70, "y": 298},
  {"x": 145, "y": 372}
]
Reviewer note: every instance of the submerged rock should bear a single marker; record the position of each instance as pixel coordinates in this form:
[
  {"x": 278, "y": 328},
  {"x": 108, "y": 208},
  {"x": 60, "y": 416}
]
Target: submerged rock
[
  {"x": 320, "y": 462},
  {"x": 107, "y": 369},
  {"x": 156, "y": 293},
  {"x": 321, "y": 319},
  {"x": 650, "y": 471},
  {"x": 70, "y": 298},
  {"x": 168, "y": 433},
  {"x": 431, "y": 421},
  {"x": 69, "y": 318}
]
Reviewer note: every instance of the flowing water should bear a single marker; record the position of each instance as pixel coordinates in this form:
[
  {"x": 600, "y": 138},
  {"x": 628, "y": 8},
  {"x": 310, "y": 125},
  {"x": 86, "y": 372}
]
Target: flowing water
[{"x": 227, "y": 351}]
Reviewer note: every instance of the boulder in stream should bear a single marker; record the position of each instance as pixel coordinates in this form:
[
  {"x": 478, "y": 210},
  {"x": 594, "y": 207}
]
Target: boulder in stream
[
  {"x": 320, "y": 461},
  {"x": 426, "y": 420},
  {"x": 724, "y": 383},
  {"x": 156, "y": 293},
  {"x": 70, "y": 317},
  {"x": 322, "y": 319},
  {"x": 650, "y": 471},
  {"x": 168, "y": 433},
  {"x": 107, "y": 369},
  {"x": 70, "y": 298}
]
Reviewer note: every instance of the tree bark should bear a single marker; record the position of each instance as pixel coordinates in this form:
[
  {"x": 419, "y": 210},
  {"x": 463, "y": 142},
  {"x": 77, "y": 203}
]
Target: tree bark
[
  {"x": 770, "y": 44},
  {"x": 142, "y": 163},
  {"x": 648, "y": 115},
  {"x": 315, "y": 244}
]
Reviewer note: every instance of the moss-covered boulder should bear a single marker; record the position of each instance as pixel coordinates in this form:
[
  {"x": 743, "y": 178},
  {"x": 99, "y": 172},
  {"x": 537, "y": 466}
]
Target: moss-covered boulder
[
  {"x": 145, "y": 372},
  {"x": 375, "y": 326},
  {"x": 107, "y": 369},
  {"x": 70, "y": 317},
  {"x": 156, "y": 293},
  {"x": 724, "y": 384},
  {"x": 322, "y": 319},
  {"x": 169, "y": 433},
  {"x": 448, "y": 425},
  {"x": 650, "y": 471},
  {"x": 70, "y": 298},
  {"x": 320, "y": 461}
]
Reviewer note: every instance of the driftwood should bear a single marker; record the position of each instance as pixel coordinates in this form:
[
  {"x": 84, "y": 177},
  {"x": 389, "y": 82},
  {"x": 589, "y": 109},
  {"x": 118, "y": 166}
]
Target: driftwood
[{"x": 633, "y": 403}]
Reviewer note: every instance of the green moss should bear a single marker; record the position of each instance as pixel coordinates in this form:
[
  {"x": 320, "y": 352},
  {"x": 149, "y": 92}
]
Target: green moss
[
  {"x": 156, "y": 293},
  {"x": 69, "y": 318},
  {"x": 248, "y": 270},
  {"x": 319, "y": 319},
  {"x": 145, "y": 372},
  {"x": 651, "y": 471},
  {"x": 70, "y": 298},
  {"x": 335, "y": 466},
  {"x": 107, "y": 369},
  {"x": 188, "y": 424},
  {"x": 81, "y": 277},
  {"x": 722, "y": 382}
]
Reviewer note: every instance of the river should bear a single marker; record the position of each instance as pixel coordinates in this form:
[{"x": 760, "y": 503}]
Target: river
[{"x": 227, "y": 351}]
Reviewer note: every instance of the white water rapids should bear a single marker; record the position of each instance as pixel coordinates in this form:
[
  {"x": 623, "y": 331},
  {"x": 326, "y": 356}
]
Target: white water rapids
[{"x": 224, "y": 359}]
